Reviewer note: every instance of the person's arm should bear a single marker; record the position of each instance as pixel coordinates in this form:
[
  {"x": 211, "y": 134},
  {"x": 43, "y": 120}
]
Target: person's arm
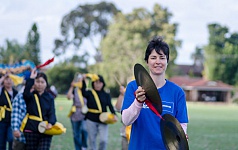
[
  {"x": 27, "y": 91},
  {"x": 120, "y": 98},
  {"x": 182, "y": 115},
  {"x": 70, "y": 92},
  {"x": 51, "y": 113},
  {"x": 130, "y": 114},
  {"x": 29, "y": 83},
  {"x": 85, "y": 93},
  {"x": 184, "y": 126},
  {"x": 16, "y": 116}
]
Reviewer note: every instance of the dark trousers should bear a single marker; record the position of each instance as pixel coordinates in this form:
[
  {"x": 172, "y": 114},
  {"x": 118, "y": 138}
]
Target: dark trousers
[
  {"x": 17, "y": 145},
  {"x": 5, "y": 135},
  {"x": 80, "y": 134},
  {"x": 37, "y": 141}
]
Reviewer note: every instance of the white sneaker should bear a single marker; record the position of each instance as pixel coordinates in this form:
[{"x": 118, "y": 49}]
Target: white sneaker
[{"x": 84, "y": 148}]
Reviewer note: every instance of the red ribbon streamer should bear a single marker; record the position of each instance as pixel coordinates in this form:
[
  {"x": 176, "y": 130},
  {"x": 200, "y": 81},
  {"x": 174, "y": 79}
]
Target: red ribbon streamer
[
  {"x": 149, "y": 104},
  {"x": 46, "y": 63}
]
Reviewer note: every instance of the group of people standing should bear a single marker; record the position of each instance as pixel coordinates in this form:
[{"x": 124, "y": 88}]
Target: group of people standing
[
  {"x": 145, "y": 132},
  {"x": 88, "y": 103},
  {"x": 22, "y": 111}
]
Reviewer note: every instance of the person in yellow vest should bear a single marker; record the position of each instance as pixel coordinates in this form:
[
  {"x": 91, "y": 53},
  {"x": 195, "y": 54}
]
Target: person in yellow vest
[
  {"x": 77, "y": 116},
  {"x": 40, "y": 107},
  {"x": 97, "y": 101},
  {"x": 7, "y": 93}
]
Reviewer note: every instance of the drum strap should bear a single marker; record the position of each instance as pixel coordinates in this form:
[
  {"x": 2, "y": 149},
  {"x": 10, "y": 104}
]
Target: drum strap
[
  {"x": 80, "y": 97},
  {"x": 99, "y": 110},
  {"x": 9, "y": 101},
  {"x": 32, "y": 117}
]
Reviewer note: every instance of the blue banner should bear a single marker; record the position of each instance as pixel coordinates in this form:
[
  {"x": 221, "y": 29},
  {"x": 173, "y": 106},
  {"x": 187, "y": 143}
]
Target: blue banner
[{"x": 21, "y": 68}]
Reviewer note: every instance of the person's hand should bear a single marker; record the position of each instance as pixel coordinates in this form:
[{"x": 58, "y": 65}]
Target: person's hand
[
  {"x": 115, "y": 118},
  {"x": 84, "y": 76},
  {"x": 122, "y": 90},
  {"x": 33, "y": 73},
  {"x": 186, "y": 136},
  {"x": 48, "y": 126},
  {"x": 72, "y": 84},
  {"x": 140, "y": 94},
  {"x": 16, "y": 134}
]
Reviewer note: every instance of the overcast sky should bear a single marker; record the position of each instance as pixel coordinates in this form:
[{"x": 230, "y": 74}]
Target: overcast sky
[{"x": 193, "y": 16}]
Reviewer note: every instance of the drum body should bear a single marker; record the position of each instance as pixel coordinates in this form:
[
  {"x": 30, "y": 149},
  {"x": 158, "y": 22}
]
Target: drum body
[{"x": 107, "y": 118}]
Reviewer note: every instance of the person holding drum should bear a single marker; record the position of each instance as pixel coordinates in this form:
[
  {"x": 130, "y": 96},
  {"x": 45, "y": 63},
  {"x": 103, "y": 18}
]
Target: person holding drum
[
  {"x": 97, "y": 101},
  {"x": 7, "y": 94},
  {"x": 40, "y": 107},
  {"x": 146, "y": 132},
  {"x": 77, "y": 115}
]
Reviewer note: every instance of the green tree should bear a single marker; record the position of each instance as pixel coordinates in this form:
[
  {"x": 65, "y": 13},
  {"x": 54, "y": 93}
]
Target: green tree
[
  {"x": 32, "y": 45},
  {"x": 88, "y": 21},
  {"x": 79, "y": 61},
  {"x": 62, "y": 74},
  {"x": 127, "y": 38},
  {"x": 198, "y": 56},
  {"x": 221, "y": 55},
  {"x": 12, "y": 52},
  {"x": 213, "y": 50}
]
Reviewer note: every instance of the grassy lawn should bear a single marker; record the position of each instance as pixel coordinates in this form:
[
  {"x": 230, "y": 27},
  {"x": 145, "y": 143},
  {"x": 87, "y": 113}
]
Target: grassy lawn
[{"x": 211, "y": 127}]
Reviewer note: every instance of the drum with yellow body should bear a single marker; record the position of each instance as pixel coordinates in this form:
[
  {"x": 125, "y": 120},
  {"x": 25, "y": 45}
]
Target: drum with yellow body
[
  {"x": 107, "y": 118},
  {"x": 56, "y": 129}
]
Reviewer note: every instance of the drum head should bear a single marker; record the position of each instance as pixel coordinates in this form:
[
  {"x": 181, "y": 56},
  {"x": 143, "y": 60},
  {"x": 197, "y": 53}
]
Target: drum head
[
  {"x": 144, "y": 80},
  {"x": 84, "y": 109},
  {"x": 172, "y": 133},
  {"x": 42, "y": 126}
]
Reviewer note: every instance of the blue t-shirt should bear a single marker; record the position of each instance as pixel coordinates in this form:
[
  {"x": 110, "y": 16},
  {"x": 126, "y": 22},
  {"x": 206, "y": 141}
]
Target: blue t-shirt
[{"x": 145, "y": 131}]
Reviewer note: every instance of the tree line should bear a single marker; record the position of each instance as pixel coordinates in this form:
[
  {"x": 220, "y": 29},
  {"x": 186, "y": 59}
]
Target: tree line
[{"x": 119, "y": 41}]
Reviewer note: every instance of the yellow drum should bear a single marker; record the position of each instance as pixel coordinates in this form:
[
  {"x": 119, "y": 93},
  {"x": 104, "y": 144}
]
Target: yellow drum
[
  {"x": 107, "y": 118},
  {"x": 56, "y": 129}
]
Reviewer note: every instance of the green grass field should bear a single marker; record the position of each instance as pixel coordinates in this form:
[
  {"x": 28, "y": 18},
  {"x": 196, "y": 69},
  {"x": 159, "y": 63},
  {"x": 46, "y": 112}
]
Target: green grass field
[{"x": 211, "y": 127}]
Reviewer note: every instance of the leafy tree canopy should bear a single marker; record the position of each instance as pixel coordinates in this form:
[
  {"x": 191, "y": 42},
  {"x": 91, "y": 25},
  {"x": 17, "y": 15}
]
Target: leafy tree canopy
[
  {"x": 62, "y": 74},
  {"x": 32, "y": 45},
  {"x": 127, "y": 38},
  {"x": 85, "y": 22},
  {"x": 14, "y": 52},
  {"x": 221, "y": 55}
]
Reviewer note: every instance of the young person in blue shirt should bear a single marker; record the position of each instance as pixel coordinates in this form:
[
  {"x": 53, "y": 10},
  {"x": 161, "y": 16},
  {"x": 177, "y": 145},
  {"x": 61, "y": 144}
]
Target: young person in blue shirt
[{"x": 145, "y": 132}]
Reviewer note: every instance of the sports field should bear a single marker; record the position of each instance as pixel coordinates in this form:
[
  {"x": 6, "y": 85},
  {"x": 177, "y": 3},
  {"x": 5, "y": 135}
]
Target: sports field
[{"x": 211, "y": 127}]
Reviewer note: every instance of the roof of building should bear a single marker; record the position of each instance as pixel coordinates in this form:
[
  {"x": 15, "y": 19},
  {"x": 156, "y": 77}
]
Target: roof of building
[{"x": 189, "y": 83}]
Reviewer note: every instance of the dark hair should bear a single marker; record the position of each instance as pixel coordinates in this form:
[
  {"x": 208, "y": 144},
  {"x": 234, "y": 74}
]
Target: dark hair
[
  {"x": 101, "y": 80},
  {"x": 158, "y": 45},
  {"x": 43, "y": 75}
]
